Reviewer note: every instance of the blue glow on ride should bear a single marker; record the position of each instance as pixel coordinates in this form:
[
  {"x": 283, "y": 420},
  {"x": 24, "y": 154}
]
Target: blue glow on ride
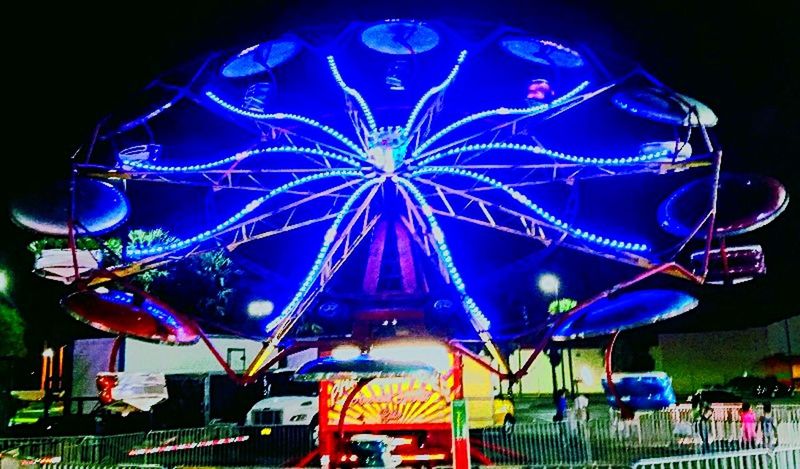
[
  {"x": 560, "y": 224},
  {"x": 540, "y": 150},
  {"x": 134, "y": 252},
  {"x": 444, "y": 254},
  {"x": 243, "y": 155},
  {"x": 386, "y": 146},
  {"x": 441, "y": 86},
  {"x": 281, "y": 115},
  {"x": 352, "y": 92},
  {"x": 311, "y": 277},
  {"x": 501, "y": 111}
]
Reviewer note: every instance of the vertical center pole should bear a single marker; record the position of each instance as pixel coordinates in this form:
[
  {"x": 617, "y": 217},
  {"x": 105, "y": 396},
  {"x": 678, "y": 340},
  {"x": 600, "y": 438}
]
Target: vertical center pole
[
  {"x": 573, "y": 387},
  {"x": 325, "y": 435},
  {"x": 460, "y": 424}
]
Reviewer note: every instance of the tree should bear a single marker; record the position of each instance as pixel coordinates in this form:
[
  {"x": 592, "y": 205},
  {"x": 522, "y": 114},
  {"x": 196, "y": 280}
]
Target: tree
[
  {"x": 112, "y": 249},
  {"x": 12, "y": 332},
  {"x": 12, "y": 347},
  {"x": 561, "y": 305},
  {"x": 199, "y": 285}
]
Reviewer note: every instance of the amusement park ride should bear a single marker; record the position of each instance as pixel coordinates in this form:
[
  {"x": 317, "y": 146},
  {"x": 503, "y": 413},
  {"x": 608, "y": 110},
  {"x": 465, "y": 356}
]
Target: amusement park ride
[{"x": 393, "y": 127}]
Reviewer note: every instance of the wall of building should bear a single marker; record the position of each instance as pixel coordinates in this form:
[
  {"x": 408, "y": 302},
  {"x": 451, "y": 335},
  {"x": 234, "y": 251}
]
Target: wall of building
[
  {"x": 587, "y": 367},
  {"x": 146, "y": 357},
  {"x": 90, "y": 356},
  {"x": 784, "y": 337},
  {"x": 695, "y": 360}
]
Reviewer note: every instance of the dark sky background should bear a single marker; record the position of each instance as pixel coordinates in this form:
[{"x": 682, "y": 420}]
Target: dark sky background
[{"x": 70, "y": 63}]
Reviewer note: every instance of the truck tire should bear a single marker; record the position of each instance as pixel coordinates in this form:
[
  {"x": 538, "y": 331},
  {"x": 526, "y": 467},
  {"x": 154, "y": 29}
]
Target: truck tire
[{"x": 508, "y": 425}]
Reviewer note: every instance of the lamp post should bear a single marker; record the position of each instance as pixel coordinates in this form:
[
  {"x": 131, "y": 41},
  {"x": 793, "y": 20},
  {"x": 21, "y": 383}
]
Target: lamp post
[{"x": 550, "y": 284}]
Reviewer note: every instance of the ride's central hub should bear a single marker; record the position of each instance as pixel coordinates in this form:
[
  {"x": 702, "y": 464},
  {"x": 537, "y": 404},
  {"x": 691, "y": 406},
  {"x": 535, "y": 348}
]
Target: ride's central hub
[{"x": 386, "y": 148}]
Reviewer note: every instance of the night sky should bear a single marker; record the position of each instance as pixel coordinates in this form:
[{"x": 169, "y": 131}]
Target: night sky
[{"x": 70, "y": 64}]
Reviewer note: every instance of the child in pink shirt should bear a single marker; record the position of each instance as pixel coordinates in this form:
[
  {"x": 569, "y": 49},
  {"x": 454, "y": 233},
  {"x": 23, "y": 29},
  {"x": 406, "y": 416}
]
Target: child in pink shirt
[{"x": 748, "y": 418}]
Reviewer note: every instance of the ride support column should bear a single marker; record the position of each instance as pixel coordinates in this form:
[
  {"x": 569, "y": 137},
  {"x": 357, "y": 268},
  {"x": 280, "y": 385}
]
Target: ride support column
[{"x": 459, "y": 420}]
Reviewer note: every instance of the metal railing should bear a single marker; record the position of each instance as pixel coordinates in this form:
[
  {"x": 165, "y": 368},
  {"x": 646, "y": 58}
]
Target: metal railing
[
  {"x": 782, "y": 458},
  {"x": 113, "y": 450},
  {"x": 649, "y": 435},
  {"x": 211, "y": 446},
  {"x": 730, "y": 412},
  {"x": 663, "y": 434}
]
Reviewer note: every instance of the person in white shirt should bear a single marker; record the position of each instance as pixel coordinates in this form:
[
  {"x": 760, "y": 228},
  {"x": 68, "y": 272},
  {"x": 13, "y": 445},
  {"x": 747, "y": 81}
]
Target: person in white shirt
[{"x": 581, "y": 407}]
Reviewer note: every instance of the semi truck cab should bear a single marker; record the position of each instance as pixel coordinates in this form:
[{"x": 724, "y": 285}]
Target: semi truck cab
[{"x": 287, "y": 403}]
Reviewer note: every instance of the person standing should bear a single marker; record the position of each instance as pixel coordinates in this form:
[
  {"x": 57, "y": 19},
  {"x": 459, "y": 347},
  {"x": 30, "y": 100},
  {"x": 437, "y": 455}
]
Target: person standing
[
  {"x": 581, "y": 406},
  {"x": 768, "y": 427},
  {"x": 561, "y": 405},
  {"x": 748, "y": 418},
  {"x": 704, "y": 424}
]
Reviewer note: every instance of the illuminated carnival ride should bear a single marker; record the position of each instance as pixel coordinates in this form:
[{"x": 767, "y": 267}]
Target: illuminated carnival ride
[{"x": 402, "y": 133}]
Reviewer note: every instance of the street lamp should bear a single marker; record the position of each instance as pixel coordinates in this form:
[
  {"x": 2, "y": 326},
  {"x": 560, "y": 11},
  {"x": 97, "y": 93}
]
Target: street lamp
[
  {"x": 549, "y": 284},
  {"x": 5, "y": 282},
  {"x": 260, "y": 308}
]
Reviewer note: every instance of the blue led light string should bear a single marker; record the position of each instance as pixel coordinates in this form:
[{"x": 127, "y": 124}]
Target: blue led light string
[
  {"x": 281, "y": 115},
  {"x": 146, "y": 117},
  {"x": 542, "y": 213},
  {"x": 180, "y": 94},
  {"x": 502, "y": 111},
  {"x": 316, "y": 268},
  {"x": 352, "y": 92},
  {"x": 540, "y": 150},
  {"x": 254, "y": 204},
  {"x": 480, "y": 320},
  {"x": 242, "y": 155},
  {"x": 444, "y": 84}
]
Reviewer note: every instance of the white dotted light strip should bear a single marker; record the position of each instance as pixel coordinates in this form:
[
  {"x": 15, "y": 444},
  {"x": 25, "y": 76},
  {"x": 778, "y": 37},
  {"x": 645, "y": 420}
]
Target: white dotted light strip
[
  {"x": 502, "y": 111},
  {"x": 444, "y": 253},
  {"x": 542, "y": 213},
  {"x": 352, "y": 92},
  {"x": 242, "y": 155},
  {"x": 330, "y": 237},
  {"x": 281, "y": 115},
  {"x": 185, "y": 446},
  {"x": 444, "y": 84},
  {"x": 540, "y": 150},
  {"x": 145, "y": 118},
  {"x": 254, "y": 204}
]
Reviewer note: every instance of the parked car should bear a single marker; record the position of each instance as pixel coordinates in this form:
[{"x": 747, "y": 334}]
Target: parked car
[
  {"x": 751, "y": 386},
  {"x": 715, "y": 396}
]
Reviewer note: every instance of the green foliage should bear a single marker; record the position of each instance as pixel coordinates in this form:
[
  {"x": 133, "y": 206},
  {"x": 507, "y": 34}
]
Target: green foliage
[
  {"x": 88, "y": 244},
  {"x": 143, "y": 239},
  {"x": 561, "y": 306},
  {"x": 114, "y": 247},
  {"x": 147, "y": 238},
  {"x": 12, "y": 332},
  {"x": 199, "y": 284}
]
